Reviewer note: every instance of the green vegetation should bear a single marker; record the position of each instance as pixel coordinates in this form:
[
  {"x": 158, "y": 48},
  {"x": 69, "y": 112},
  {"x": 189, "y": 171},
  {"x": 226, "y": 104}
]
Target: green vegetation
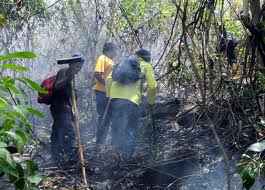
[{"x": 15, "y": 114}]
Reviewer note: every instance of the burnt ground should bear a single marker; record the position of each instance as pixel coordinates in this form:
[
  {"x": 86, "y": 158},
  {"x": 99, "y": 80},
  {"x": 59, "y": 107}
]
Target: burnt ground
[{"x": 181, "y": 155}]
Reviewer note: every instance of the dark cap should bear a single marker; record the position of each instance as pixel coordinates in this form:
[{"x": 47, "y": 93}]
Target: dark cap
[
  {"x": 81, "y": 57},
  {"x": 145, "y": 54},
  {"x": 108, "y": 47}
]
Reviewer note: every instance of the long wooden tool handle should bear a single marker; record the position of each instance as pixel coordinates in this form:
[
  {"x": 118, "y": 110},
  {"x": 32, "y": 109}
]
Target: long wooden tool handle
[
  {"x": 105, "y": 113},
  {"x": 76, "y": 123}
]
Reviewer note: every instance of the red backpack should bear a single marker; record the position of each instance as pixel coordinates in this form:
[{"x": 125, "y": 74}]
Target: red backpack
[{"x": 47, "y": 84}]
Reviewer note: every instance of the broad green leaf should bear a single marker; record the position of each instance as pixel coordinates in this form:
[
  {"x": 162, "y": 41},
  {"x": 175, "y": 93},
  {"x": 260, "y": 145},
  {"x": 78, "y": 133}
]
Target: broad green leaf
[
  {"x": 7, "y": 163},
  {"x": 36, "y": 112},
  {"x": 8, "y": 83},
  {"x": 13, "y": 67},
  {"x": 23, "y": 135},
  {"x": 3, "y": 145},
  {"x": 3, "y": 103},
  {"x": 242, "y": 165},
  {"x": 7, "y": 125},
  {"x": 24, "y": 95},
  {"x": 18, "y": 93},
  {"x": 19, "y": 179},
  {"x": 22, "y": 111},
  {"x": 257, "y": 147},
  {"x": 31, "y": 84},
  {"x": 8, "y": 80},
  {"x": 18, "y": 141},
  {"x": 36, "y": 179},
  {"x": 16, "y": 55},
  {"x": 27, "y": 127},
  {"x": 11, "y": 115},
  {"x": 3, "y": 90},
  {"x": 14, "y": 89},
  {"x": 34, "y": 85},
  {"x": 31, "y": 167},
  {"x": 248, "y": 176}
]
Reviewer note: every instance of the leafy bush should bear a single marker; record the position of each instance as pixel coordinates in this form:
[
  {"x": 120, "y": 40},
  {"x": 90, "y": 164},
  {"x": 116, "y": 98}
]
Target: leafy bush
[
  {"x": 14, "y": 122},
  {"x": 244, "y": 96},
  {"x": 252, "y": 167}
]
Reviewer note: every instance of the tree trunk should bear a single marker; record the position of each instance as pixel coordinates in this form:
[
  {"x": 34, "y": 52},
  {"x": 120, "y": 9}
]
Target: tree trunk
[{"x": 255, "y": 11}]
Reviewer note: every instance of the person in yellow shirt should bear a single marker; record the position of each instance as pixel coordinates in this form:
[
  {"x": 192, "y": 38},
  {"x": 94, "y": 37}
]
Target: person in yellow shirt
[
  {"x": 103, "y": 68},
  {"x": 125, "y": 101}
]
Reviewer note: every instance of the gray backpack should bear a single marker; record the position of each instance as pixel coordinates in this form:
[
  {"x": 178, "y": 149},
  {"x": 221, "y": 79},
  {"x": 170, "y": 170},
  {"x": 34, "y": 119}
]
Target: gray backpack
[{"x": 128, "y": 71}]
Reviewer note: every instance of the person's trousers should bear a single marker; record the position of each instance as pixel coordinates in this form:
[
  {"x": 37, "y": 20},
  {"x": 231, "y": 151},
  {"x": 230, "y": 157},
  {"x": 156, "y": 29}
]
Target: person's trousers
[
  {"x": 124, "y": 116},
  {"x": 63, "y": 136},
  {"x": 102, "y": 125}
]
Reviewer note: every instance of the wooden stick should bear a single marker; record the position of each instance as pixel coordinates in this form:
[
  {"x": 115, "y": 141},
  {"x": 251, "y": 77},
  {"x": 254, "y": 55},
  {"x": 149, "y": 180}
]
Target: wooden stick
[
  {"x": 76, "y": 123},
  {"x": 105, "y": 113}
]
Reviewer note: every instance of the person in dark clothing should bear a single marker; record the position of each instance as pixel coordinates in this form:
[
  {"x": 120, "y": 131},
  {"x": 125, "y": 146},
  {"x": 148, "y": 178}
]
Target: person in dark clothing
[
  {"x": 227, "y": 45},
  {"x": 124, "y": 116},
  {"x": 63, "y": 131}
]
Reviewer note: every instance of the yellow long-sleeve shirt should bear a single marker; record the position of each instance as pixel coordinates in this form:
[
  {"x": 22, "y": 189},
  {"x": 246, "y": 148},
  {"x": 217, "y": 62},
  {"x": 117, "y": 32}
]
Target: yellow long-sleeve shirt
[{"x": 132, "y": 91}]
